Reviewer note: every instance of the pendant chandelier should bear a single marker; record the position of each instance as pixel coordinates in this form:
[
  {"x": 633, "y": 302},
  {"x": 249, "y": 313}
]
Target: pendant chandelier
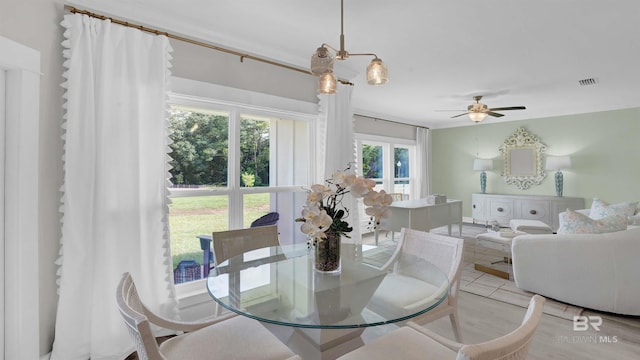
[{"x": 323, "y": 59}]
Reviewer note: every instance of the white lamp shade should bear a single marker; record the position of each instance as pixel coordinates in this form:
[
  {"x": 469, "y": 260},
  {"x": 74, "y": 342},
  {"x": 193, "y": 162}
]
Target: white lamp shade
[
  {"x": 558, "y": 163},
  {"x": 482, "y": 164}
]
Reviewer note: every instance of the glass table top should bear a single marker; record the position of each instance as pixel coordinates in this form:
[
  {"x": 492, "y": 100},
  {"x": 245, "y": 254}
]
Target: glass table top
[{"x": 279, "y": 285}]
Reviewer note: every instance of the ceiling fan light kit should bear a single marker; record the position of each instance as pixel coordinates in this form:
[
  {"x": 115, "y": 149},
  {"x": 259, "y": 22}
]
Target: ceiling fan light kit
[
  {"x": 322, "y": 63},
  {"x": 477, "y": 116},
  {"x": 479, "y": 111}
]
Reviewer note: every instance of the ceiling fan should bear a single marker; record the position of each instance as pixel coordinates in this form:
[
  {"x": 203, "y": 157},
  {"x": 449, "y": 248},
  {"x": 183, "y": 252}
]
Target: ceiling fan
[{"x": 478, "y": 111}]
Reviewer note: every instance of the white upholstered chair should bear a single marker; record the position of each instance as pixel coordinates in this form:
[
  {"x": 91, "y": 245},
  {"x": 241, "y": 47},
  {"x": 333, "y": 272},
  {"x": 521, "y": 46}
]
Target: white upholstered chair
[
  {"x": 225, "y": 337},
  {"x": 445, "y": 253},
  {"x": 415, "y": 342}
]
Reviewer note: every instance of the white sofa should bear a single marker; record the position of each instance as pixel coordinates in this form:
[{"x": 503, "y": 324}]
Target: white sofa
[{"x": 595, "y": 271}]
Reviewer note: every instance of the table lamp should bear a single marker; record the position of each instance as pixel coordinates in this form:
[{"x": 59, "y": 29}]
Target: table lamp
[
  {"x": 482, "y": 165},
  {"x": 558, "y": 163}
]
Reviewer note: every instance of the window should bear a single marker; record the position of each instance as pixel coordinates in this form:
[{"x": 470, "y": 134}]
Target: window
[{"x": 231, "y": 165}]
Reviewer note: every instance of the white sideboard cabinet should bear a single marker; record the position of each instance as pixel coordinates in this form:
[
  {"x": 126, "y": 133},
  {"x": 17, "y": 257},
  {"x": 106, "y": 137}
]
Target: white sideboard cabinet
[{"x": 489, "y": 207}]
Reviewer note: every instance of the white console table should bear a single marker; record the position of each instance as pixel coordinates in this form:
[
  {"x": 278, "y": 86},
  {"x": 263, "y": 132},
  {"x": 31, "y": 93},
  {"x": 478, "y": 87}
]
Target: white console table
[
  {"x": 419, "y": 215},
  {"x": 503, "y": 208}
]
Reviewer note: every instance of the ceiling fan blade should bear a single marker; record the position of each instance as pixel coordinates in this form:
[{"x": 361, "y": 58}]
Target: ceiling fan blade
[
  {"x": 508, "y": 108},
  {"x": 459, "y": 115},
  {"x": 494, "y": 114}
]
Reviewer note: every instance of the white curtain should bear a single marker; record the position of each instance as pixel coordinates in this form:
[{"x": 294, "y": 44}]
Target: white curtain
[
  {"x": 114, "y": 201},
  {"x": 336, "y": 143},
  {"x": 423, "y": 161}
]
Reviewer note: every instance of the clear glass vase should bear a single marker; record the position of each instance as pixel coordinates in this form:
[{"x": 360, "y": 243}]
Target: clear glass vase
[{"x": 327, "y": 254}]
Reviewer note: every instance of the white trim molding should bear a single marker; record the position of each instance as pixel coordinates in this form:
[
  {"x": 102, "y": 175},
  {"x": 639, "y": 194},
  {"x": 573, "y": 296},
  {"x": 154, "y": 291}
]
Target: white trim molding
[{"x": 21, "y": 327}]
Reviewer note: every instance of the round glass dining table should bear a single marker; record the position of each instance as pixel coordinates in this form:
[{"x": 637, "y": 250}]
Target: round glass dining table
[{"x": 279, "y": 285}]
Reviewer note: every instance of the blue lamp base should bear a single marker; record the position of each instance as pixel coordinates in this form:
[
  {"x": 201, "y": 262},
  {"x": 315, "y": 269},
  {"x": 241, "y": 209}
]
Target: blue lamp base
[
  {"x": 483, "y": 182},
  {"x": 559, "y": 183}
]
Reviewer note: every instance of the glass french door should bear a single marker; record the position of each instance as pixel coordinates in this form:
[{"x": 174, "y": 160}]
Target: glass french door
[{"x": 390, "y": 163}]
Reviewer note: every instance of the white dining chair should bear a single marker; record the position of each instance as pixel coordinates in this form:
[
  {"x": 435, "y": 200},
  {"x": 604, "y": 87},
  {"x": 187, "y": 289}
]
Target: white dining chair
[
  {"x": 227, "y": 244},
  {"x": 445, "y": 253},
  {"x": 230, "y": 243},
  {"x": 415, "y": 342},
  {"x": 382, "y": 258},
  {"x": 225, "y": 337}
]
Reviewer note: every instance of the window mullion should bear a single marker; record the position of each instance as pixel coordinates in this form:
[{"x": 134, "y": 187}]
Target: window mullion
[
  {"x": 388, "y": 170},
  {"x": 233, "y": 180}
]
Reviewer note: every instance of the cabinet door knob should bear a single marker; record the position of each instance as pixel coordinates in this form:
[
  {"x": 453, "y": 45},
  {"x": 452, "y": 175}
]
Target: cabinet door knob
[
  {"x": 533, "y": 212},
  {"x": 474, "y": 206},
  {"x": 500, "y": 209}
]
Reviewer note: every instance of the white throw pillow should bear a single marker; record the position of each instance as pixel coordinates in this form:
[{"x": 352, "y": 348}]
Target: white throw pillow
[
  {"x": 601, "y": 209},
  {"x": 572, "y": 222}
]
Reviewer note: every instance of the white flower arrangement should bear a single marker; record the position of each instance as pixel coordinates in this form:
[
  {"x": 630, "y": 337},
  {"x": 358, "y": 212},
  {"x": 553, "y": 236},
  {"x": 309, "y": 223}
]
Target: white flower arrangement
[{"x": 324, "y": 212}]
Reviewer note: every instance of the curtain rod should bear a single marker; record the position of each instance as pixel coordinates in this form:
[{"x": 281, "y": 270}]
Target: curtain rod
[
  {"x": 391, "y": 121},
  {"x": 242, "y": 55},
  {"x": 75, "y": 10}
]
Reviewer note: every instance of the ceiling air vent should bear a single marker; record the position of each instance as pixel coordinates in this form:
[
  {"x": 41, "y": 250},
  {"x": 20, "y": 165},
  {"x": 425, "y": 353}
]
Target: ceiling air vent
[{"x": 587, "y": 82}]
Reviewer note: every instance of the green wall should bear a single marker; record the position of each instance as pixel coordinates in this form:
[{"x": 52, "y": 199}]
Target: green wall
[{"x": 604, "y": 149}]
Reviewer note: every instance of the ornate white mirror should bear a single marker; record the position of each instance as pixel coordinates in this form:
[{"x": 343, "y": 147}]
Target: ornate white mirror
[{"x": 522, "y": 155}]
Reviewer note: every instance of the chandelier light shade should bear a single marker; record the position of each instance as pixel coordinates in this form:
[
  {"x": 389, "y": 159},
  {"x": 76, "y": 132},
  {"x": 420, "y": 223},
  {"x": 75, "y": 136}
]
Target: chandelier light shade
[
  {"x": 322, "y": 63},
  {"x": 377, "y": 72},
  {"x": 327, "y": 83}
]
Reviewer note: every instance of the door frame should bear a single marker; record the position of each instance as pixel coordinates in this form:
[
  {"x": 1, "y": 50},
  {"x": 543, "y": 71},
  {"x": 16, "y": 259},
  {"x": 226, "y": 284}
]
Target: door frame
[
  {"x": 3, "y": 82},
  {"x": 21, "y": 291}
]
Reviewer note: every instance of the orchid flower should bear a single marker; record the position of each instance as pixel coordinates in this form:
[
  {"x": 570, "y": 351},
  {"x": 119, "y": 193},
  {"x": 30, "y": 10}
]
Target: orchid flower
[{"x": 322, "y": 211}]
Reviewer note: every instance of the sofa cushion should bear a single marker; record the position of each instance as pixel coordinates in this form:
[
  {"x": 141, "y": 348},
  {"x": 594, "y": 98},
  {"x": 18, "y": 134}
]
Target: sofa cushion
[
  {"x": 595, "y": 271},
  {"x": 601, "y": 209},
  {"x": 573, "y": 222}
]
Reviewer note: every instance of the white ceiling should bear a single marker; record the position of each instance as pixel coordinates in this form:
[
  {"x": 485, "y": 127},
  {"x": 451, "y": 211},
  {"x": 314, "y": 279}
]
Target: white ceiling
[{"x": 439, "y": 53}]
